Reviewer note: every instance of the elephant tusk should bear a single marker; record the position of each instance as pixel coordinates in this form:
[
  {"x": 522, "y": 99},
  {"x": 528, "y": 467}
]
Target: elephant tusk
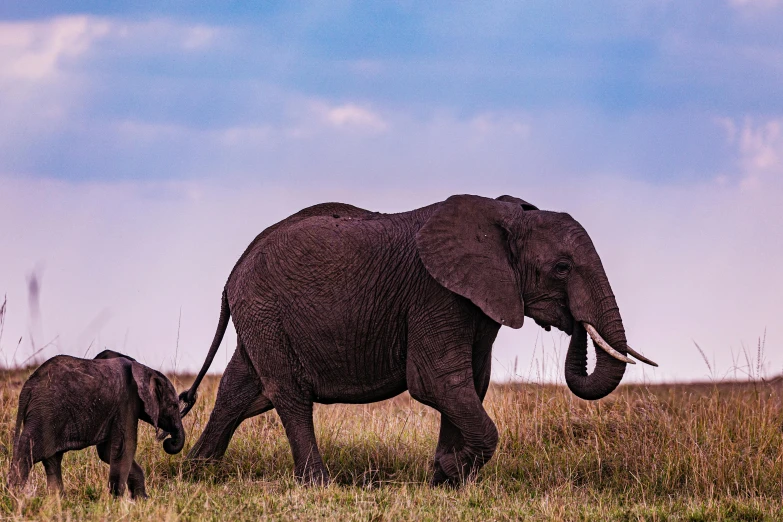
[
  {"x": 598, "y": 340},
  {"x": 640, "y": 356}
]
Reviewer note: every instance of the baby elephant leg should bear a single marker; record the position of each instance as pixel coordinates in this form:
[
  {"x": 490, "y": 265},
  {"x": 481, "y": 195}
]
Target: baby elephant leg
[
  {"x": 119, "y": 469},
  {"x": 119, "y": 452},
  {"x": 136, "y": 481},
  {"x": 54, "y": 477},
  {"x": 135, "y": 476},
  {"x": 22, "y": 461}
]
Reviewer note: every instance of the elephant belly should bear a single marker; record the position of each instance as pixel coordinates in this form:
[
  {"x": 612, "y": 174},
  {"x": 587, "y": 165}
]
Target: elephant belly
[
  {"x": 361, "y": 393},
  {"x": 352, "y": 374}
]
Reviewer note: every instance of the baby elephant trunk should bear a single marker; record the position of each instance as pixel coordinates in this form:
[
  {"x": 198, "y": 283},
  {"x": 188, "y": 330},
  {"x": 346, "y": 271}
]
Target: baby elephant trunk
[{"x": 176, "y": 441}]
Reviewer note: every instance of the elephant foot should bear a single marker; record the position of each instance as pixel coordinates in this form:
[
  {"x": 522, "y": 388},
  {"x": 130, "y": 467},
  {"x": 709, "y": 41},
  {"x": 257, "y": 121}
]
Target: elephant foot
[
  {"x": 139, "y": 495},
  {"x": 439, "y": 477},
  {"x": 203, "y": 454},
  {"x": 314, "y": 477},
  {"x": 200, "y": 458},
  {"x": 116, "y": 489},
  {"x": 452, "y": 470}
]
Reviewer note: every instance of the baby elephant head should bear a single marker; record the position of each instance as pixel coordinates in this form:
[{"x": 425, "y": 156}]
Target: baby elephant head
[{"x": 160, "y": 405}]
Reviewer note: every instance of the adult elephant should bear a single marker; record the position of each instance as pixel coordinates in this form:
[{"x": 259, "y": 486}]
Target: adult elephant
[{"x": 340, "y": 304}]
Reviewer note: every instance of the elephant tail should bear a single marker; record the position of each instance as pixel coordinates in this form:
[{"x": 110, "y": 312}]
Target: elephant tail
[{"x": 189, "y": 396}]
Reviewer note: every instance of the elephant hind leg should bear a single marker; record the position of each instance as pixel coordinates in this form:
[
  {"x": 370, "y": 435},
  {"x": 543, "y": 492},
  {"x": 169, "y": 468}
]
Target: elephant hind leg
[
  {"x": 297, "y": 418},
  {"x": 54, "y": 477},
  {"x": 293, "y": 404},
  {"x": 260, "y": 404},
  {"x": 239, "y": 397}
]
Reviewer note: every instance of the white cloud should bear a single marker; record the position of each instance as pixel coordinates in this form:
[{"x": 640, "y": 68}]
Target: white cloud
[
  {"x": 38, "y": 91},
  {"x": 45, "y": 78},
  {"x": 40, "y": 50},
  {"x": 298, "y": 124},
  {"x": 36, "y": 50},
  {"x": 163, "y": 35},
  {"x": 759, "y": 147},
  {"x": 350, "y": 115},
  {"x": 199, "y": 37}
]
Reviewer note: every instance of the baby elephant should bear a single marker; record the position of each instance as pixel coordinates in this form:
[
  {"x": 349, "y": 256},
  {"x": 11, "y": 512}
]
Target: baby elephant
[{"x": 70, "y": 404}]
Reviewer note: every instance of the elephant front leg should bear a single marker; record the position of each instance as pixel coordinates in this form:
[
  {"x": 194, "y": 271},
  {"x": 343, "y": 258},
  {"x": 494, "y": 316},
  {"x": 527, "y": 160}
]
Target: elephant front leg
[
  {"x": 479, "y": 434},
  {"x": 450, "y": 438},
  {"x": 449, "y": 442},
  {"x": 443, "y": 378}
]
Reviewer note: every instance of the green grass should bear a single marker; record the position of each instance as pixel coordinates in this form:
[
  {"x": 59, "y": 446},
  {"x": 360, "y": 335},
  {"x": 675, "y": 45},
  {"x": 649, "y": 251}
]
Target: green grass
[{"x": 664, "y": 452}]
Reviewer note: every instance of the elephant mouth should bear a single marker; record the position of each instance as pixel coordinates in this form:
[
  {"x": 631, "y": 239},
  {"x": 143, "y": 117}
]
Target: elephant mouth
[
  {"x": 563, "y": 321},
  {"x": 543, "y": 325}
]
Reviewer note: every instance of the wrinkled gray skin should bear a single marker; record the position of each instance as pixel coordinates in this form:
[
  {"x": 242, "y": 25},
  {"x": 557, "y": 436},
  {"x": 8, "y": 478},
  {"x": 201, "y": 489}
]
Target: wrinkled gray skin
[
  {"x": 339, "y": 304},
  {"x": 70, "y": 403}
]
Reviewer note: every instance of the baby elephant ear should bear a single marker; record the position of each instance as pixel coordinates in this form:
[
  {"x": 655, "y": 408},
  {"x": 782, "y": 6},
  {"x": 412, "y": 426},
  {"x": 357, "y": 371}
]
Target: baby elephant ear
[
  {"x": 521, "y": 202},
  {"x": 464, "y": 246},
  {"x": 146, "y": 383}
]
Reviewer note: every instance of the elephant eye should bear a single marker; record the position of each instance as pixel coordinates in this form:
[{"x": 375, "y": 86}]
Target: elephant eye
[{"x": 563, "y": 267}]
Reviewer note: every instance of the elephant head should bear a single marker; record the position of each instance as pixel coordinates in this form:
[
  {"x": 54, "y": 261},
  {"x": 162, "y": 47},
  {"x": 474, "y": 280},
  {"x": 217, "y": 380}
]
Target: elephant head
[
  {"x": 160, "y": 406},
  {"x": 513, "y": 260}
]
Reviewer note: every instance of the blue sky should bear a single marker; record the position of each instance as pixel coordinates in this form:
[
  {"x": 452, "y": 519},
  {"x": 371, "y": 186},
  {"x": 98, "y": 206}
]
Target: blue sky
[{"x": 656, "y": 123}]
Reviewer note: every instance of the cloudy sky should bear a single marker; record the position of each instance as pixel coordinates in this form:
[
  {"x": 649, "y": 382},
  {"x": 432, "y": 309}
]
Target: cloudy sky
[{"x": 143, "y": 147}]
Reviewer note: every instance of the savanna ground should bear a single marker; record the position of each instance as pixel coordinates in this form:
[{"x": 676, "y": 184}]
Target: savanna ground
[{"x": 662, "y": 452}]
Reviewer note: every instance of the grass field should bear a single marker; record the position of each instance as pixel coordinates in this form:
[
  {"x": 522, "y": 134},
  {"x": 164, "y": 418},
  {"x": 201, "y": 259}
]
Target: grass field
[{"x": 663, "y": 452}]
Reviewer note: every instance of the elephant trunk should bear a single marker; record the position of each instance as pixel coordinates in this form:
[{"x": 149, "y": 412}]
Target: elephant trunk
[
  {"x": 174, "y": 444},
  {"x": 608, "y": 370}
]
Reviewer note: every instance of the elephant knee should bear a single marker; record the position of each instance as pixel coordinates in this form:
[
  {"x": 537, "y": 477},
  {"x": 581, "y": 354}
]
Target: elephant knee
[{"x": 490, "y": 443}]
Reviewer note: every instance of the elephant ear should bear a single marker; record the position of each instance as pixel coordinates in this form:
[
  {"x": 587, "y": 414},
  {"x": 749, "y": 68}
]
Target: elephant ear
[
  {"x": 464, "y": 246},
  {"x": 521, "y": 202},
  {"x": 147, "y": 385}
]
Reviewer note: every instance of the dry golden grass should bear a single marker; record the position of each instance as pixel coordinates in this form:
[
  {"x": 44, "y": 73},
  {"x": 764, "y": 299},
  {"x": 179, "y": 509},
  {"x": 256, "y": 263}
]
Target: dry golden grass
[{"x": 664, "y": 452}]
